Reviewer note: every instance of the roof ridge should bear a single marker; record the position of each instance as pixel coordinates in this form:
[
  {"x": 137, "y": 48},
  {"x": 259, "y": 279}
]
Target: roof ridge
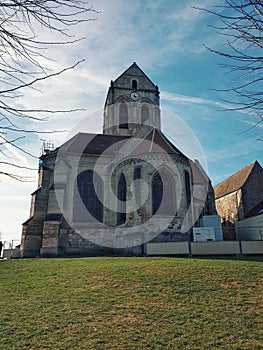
[
  {"x": 141, "y": 140},
  {"x": 251, "y": 167},
  {"x": 171, "y": 145},
  {"x": 152, "y": 141},
  {"x": 238, "y": 171}
]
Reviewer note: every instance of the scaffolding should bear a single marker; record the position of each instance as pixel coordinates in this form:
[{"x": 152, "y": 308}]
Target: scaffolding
[{"x": 47, "y": 146}]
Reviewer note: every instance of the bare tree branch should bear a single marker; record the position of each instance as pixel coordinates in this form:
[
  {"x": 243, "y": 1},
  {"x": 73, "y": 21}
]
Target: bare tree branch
[
  {"x": 18, "y": 166},
  {"x": 242, "y": 25},
  {"x": 22, "y": 53}
]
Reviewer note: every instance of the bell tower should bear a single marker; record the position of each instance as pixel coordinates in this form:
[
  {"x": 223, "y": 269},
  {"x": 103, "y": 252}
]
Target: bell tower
[{"x": 132, "y": 104}]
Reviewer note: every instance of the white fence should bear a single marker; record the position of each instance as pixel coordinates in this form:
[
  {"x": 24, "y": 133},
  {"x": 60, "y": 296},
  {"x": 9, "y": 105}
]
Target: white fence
[{"x": 205, "y": 248}]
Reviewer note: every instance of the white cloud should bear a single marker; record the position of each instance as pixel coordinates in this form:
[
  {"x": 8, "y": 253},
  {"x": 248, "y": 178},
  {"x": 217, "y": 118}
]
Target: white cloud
[
  {"x": 15, "y": 204},
  {"x": 192, "y": 99},
  {"x": 239, "y": 147}
]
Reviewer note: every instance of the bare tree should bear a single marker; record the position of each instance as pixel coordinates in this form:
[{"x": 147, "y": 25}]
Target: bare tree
[
  {"x": 21, "y": 62},
  {"x": 241, "y": 22}
]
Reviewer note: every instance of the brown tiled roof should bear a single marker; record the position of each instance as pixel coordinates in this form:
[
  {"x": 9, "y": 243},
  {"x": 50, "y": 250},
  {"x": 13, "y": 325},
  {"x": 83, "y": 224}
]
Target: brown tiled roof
[{"x": 234, "y": 182}]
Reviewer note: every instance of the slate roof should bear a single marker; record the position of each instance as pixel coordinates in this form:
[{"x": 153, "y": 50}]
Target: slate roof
[
  {"x": 155, "y": 142},
  {"x": 234, "y": 182},
  {"x": 93, "y": 144},
  {"x": 110, "y": 145},
  {"x": 199, "y": 176}
]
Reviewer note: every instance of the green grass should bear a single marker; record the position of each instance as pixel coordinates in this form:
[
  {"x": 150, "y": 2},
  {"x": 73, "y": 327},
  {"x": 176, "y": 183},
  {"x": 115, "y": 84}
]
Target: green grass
[{"x": 131, "y": 303}]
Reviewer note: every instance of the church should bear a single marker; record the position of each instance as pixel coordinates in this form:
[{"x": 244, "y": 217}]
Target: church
[{"x": 112, "y": 193}]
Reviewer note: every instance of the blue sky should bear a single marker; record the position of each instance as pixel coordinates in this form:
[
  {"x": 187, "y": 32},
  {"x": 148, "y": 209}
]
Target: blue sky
[{"x": 166, "y": 40}]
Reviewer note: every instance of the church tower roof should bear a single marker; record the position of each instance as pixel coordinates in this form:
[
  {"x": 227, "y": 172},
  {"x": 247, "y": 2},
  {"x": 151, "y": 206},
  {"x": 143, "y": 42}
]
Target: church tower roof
[{"x": 133, "y": 72}]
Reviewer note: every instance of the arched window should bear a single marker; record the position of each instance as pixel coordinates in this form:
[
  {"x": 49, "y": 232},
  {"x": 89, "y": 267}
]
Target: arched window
[
  {"x": 90, "y": 188},
  {"x": 144, "y": 113},
  {"x": 137, "y": 186},
  {"x": 121, "y": 195},
  {"x": 157, "y": 192},
  {"x": 163, "y": 194},
  {"x": 123, "y": 116},
  {"x": 187, "y": 188},
  {"x": 134, "y": 84}
]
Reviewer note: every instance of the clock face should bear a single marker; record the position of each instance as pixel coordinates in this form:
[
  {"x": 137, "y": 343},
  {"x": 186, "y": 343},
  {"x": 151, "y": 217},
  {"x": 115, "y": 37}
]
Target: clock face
[{"x": 134, "y": 96}]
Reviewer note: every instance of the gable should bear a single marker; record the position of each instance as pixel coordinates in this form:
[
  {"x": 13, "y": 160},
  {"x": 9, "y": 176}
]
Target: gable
[
  {"x": 134, "y": 72},
  {"x": 234, "y": 182}
]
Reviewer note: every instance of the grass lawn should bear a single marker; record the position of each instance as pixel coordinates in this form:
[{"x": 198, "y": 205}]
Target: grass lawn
[{"x": 131, "y": 303}]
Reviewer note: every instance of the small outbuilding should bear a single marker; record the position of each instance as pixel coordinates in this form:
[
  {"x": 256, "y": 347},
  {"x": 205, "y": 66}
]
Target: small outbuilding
[{"x": 238, "y": 197}]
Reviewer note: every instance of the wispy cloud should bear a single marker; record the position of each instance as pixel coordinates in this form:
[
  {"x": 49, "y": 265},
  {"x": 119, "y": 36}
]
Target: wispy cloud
[
  {"x": 173, "y": 97},
  {"x": 234, "y": 150}
]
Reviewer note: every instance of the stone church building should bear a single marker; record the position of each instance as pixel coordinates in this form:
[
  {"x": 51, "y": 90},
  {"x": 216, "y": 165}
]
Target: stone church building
[{"x": 111, "y": 193}]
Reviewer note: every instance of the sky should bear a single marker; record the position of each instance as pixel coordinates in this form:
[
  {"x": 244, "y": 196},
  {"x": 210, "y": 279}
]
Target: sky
[{"x": 166, "y": 39}]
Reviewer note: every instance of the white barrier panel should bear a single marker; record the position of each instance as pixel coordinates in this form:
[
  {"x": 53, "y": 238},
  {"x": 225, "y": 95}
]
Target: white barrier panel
[
  {"x": 252, "y": 247},
  {"x": 167, "y": 248},
  {"x": 215, "y": 248}
]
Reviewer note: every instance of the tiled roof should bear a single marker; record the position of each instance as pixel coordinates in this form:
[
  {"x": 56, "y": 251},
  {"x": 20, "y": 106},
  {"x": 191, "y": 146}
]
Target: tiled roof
[{"x": 234, "y": 182}]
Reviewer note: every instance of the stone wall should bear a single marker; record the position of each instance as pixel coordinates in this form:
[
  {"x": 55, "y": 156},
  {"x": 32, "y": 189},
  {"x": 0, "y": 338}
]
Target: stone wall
[
  {"x": 252, "y": 191},
  {"x": 228, "y": 207},
  {"x": 50, "y": 240},
  {"x": 31, "y": 239},
  {"x": 230, "y": 210}
]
